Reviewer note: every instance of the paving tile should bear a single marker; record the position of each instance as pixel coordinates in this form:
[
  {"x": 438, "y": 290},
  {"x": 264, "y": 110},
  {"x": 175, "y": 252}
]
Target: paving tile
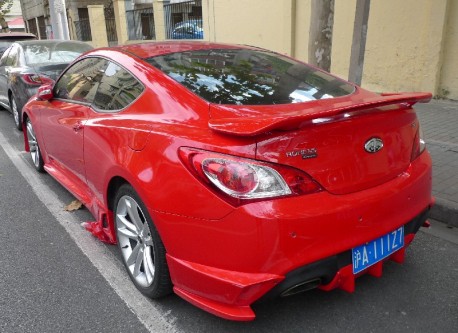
[{"x": 439, "y": 121}]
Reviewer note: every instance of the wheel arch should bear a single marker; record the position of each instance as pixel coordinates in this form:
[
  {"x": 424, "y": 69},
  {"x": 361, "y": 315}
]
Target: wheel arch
[
  {"x": 114, "y": 184},
  {"x": 112, "y": 188},
  {"x": 11, "y": 93},
  {"x": 25, "y": 116}
]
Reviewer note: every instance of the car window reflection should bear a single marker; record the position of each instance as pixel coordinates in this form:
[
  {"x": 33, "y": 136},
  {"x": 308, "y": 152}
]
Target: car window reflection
[
  {"x": 81, "y": 81},
  {"x": 249, "y": 77},
  {"x": 117, "y": 89}
]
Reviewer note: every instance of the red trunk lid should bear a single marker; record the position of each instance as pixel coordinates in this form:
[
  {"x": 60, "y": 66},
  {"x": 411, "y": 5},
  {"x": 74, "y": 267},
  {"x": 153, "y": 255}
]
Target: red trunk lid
[{"x": 332, "y": 140}]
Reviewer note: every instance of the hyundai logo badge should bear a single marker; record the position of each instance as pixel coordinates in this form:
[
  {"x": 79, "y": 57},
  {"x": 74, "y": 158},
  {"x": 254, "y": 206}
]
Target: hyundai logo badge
[{"x": 373, "y": 145}]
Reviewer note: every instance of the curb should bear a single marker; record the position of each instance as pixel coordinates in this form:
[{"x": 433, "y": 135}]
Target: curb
[{"x": 445, "y": 211}]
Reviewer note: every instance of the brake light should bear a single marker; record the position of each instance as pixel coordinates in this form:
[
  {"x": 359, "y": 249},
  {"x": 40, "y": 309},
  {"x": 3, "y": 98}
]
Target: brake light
[
  {"x": 242, "y": 180},
  {"x": 419, "y": 144},
  {"x": 35, "y": 79},
  {"x": 233, "y": 178}
]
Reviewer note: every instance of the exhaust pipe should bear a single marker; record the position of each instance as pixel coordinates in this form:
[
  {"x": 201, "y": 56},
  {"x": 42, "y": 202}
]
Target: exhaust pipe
[{"x": 301, "y": 287}]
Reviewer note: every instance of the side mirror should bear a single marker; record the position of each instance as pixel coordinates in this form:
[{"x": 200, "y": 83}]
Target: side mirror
[{"x": 45, "y": 92}]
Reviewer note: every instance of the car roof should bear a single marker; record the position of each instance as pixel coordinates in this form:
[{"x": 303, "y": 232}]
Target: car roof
[
  {"x": 152, "y": 49},
  {"x": 189, "y": 21},
  {"x": 47, "y": 42},
  {"x": 19, "y": 35}
]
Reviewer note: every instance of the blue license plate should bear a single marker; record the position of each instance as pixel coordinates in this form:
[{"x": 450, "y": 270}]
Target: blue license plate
[{"x": 372, "y": 252}]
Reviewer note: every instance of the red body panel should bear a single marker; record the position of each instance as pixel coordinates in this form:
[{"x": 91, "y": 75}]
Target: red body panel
[
  {"x": 341, "y": 148},
  {"x": 223, "y": 258},
  {"x": 277, "y": 236}
]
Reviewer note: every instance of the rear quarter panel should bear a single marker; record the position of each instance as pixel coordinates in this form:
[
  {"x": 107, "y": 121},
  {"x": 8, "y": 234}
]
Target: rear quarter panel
[{"x": 141, "y": 144}]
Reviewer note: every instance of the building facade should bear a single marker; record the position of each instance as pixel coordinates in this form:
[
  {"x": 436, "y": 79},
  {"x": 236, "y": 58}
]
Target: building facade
[
  {"x": 14, "y": 18},
  {"x": 412, "y": 45}
]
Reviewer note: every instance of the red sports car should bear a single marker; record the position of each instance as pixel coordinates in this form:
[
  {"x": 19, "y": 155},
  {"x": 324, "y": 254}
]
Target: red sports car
[{"x": 231, "y": 174}]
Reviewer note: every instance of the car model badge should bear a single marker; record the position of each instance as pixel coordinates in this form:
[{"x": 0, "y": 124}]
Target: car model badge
[
  {"x": 304, "y": 153},
  {"x": 373, "y": 145}
]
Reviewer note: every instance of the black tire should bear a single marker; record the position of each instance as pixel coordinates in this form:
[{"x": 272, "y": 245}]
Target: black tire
[
  {"x": 141, "y": 247},
  {"x": 16, "y": 110},
  {"x": 35, "y": 152}
]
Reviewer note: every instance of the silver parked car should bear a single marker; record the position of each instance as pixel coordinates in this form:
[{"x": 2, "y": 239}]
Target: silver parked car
[{"x": 26, "y": 65}]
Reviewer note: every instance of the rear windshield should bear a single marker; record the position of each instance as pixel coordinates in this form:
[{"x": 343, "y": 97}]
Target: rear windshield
[
  {"x": 249, "y": 77},
  {"x": 54, "y": 52},
  {"x": 6, "y": 42}
]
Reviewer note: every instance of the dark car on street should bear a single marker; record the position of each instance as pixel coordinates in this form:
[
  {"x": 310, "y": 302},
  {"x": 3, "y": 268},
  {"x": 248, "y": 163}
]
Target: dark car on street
[
  {"x": 26, "y": 65},
  {"x": 8, "y": 38}
]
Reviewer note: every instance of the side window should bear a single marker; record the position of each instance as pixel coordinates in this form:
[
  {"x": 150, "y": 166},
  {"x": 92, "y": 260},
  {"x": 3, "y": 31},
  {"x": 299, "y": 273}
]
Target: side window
[
  {"x": 80, "y": 82},
  {"x": 4, "y": 57},
  {"x": 12, "y": 58},
  {"x": 117, "y": 90}
]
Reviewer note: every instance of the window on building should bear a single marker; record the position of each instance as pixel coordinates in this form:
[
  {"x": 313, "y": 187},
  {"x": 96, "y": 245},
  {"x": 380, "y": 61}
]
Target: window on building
[
  {"x": 42, "y": 27},
  {"x": 82, "y": 26},
  {"x": 32, "y": 26}
]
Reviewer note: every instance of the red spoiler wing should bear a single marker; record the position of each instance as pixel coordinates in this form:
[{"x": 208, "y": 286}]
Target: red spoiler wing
[{"x": 244, "y": 122}]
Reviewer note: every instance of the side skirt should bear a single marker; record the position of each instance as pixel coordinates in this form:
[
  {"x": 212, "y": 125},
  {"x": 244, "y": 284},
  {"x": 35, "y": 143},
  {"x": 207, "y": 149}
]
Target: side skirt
[{"x": 103, "y": 227}]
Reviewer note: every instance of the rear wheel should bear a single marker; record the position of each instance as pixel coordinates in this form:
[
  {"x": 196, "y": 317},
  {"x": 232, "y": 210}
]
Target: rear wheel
[
  {"x": 141, "y": 247},
  {"x": 34, "y": 148},
  {"x": 17, "y": 113}
]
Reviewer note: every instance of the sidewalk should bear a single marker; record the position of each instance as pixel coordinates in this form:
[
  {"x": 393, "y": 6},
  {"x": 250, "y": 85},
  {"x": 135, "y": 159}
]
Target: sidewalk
[{"x": 439, "y": 121}]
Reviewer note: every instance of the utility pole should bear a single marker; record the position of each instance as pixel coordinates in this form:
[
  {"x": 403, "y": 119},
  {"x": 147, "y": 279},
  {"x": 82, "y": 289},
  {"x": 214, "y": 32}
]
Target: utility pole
[
  {"x": 58, "y": 13},
  {"x": 320, "y": 36},
  {"x": 358, "y": 46}
]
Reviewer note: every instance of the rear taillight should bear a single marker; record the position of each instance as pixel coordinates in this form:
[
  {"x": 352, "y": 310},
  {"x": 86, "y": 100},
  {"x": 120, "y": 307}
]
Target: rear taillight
[
  {"x": 419, "y": 144},
  {"x": 35, "y": 79},
  {"x": 234, "y": 178},
  {"x": 242, "y": 180}
]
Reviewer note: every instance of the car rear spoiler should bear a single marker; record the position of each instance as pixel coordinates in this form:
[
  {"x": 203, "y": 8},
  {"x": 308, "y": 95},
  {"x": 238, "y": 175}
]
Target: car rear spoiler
[{"x": 246, "y": 121}]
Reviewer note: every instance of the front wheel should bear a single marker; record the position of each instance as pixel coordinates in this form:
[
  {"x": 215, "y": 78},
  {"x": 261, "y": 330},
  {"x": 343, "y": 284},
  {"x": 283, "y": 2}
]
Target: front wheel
[
  {"x": 142, "y": 250},
  {"x": 34, "y": 148},
  {"x": 17, "y": 113}
]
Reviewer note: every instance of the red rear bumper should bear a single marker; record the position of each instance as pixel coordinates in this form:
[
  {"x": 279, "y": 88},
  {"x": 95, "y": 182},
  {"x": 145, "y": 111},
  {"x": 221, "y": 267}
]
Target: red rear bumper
[
  {"x": 264, "y": 248},
  {"x": 228, "y": 294}
]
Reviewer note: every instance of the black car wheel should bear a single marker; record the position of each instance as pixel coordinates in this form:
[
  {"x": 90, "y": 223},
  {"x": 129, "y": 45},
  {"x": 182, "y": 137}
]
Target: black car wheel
[
  {"x": 34, "y": 148},
  {"x": 142, "y": 250},
  {"x": 17, "y": 113}
]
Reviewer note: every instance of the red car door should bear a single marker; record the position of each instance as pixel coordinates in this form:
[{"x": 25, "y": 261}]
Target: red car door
[
  {"x": 63, "y": 119},
  {"x": 63, "y": 133}
]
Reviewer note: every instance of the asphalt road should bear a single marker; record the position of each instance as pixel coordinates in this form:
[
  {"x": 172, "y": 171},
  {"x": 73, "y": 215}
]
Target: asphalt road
[{"x": 56, "y": 277}]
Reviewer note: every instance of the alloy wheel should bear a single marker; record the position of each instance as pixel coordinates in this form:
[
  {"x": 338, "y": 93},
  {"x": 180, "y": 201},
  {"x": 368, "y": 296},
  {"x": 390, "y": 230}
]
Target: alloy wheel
[
  {"x": 33, "y": 145},
  {"x": 15, "y": 111},
  {"x": 135, "y": 241}
]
